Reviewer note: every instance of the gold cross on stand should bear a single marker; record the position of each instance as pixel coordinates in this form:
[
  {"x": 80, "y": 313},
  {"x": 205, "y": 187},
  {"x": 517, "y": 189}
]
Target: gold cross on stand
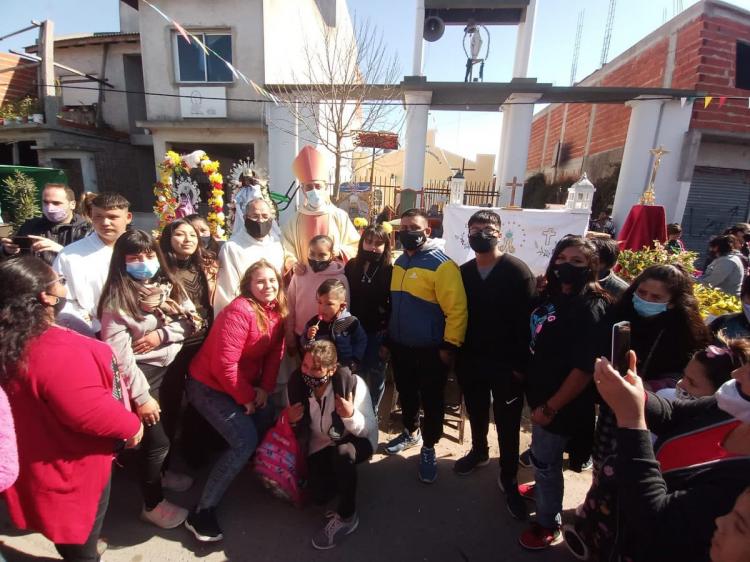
[{"x": 513, "y": 185}]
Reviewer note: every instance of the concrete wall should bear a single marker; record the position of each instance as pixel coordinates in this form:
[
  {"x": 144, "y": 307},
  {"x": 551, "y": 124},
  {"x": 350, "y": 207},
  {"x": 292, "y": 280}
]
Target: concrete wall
[
  {"x": 107, "y": 164},
  {"x": 88, "y": 59},
  {"x": 242, "y": 18},
  {"x": 294, "y": 26},
  {"x": 721, "y": 155},
  {"x": 437, "y": 166}
]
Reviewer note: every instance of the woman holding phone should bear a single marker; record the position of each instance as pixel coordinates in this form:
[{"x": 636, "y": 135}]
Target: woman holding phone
[{"x": 666, "y": 329}]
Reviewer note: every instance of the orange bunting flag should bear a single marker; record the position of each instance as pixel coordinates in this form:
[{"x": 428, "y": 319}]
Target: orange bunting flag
[
  {"x": 181, "y": 31},
  {"x": 707, "y": 101},
  {"x": 722, "y": 101}
]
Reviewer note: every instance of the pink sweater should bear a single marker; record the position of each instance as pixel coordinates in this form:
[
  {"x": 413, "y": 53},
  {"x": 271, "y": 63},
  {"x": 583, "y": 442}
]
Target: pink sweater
[
  {"x": 8, "y": 450},
  {"x": 302, "y": 296}
]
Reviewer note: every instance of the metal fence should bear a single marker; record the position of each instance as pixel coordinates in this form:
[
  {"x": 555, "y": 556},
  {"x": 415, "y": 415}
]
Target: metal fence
[{"x": 355, "y": 196}]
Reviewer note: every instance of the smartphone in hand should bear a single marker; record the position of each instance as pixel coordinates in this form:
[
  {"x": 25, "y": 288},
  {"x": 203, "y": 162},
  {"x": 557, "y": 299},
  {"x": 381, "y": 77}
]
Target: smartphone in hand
[{"x": 620, "y": 346}]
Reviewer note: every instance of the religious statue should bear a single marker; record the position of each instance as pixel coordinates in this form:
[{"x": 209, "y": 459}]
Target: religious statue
[
  {"x": 649, "y": 195},
  {"x": 317, "y": 215},
  {"x": 188, "y": 197}
]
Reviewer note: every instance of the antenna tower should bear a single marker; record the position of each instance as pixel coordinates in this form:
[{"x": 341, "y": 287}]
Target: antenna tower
[
  {"x": 608, "y": 32},
  {"x": 576, "y": 48}
]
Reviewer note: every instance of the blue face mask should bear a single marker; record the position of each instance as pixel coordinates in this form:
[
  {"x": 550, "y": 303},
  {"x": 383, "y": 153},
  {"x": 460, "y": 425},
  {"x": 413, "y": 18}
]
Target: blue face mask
[
  {"x": 646, "y": 308},
  {"x": 142, "y": 270}
]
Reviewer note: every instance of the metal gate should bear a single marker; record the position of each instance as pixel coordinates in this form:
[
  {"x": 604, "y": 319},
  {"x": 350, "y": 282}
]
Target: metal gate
[{"x": 718, "y": 198}]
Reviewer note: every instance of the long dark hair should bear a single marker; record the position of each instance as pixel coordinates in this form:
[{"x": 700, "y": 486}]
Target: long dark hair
[
  {"x": 120, "y": 292},
  {"x": 246, "y": 292},
  {"x": 377, "y": 234},
  {"x": 679, "y": 285},
  {"x": 554, "y": 287},
  {"x": 22, "y": 315},
  {"x": 200, "y": 259}
]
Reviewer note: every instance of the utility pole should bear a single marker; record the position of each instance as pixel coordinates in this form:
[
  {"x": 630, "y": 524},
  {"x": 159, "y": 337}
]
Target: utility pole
[{"x": 48, "y": 94}]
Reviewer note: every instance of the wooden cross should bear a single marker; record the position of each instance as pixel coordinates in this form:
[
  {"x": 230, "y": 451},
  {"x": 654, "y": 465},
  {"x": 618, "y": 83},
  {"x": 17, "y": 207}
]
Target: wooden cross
[
  {"x": 513, "y": 185},
  {"x": 463, "y": 168}
]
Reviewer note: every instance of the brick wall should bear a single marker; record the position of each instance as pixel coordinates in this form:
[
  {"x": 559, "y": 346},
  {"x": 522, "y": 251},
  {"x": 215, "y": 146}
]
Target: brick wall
[
  {"x": 716, "y": 67},
  {"x": 17, "y": 79},
  {"x": 704, "y": 60}
]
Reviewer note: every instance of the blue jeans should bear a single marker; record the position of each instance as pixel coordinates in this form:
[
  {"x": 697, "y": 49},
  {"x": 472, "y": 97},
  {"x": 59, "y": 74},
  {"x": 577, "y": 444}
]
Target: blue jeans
[
  {"x": 372, "y": 368},
  {"x": 241, "y": 432},
  {"x": 547, "y": 450}
]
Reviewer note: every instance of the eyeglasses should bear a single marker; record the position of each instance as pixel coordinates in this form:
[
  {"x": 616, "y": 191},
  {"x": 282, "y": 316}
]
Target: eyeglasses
[
  {"x": 61, "y": 279},
  {"x": 489, "y": 231}
]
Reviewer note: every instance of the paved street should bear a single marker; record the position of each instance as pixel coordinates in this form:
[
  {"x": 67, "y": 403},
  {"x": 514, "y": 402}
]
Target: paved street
[{"x": 457, "y": 519}]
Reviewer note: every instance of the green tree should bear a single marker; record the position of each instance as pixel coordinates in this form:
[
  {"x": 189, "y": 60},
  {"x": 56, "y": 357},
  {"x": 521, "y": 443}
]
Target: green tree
[{"x": 22, "y": 198}]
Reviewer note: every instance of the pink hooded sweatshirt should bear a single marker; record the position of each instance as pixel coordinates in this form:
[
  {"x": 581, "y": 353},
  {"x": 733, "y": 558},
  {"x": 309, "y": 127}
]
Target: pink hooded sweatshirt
[{"x": 303, "y": 298}]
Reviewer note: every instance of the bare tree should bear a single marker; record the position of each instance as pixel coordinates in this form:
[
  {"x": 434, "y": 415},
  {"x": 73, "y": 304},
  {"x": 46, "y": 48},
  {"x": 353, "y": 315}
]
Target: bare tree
[{"x": 349, "y": 82}]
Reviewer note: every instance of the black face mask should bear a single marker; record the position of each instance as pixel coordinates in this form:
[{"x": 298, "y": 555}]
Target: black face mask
[
  {"x": 258, "y": 229},
  {"x": 318, "y": 265},
  {"x": 205, "y": 241},
  {"x": 569, "y": 274},
  {"x": 315, "y": 382},
  {"x": 370, "y": 256},
  {"x": 412, "y": 239},
  {"x": 482, "y": 243},
  {"x": 59, "y": 305}
]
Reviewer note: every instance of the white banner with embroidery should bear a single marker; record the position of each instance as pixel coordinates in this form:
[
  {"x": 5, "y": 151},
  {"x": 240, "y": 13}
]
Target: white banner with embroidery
[{"x": 530, "y": 234}]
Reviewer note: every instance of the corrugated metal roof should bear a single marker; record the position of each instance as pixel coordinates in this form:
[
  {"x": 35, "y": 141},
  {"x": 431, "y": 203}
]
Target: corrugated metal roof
[{"x": 96, "y": 38}]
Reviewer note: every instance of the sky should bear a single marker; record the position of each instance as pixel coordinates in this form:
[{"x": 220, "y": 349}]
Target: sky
[{"x": 466, "y": 133}]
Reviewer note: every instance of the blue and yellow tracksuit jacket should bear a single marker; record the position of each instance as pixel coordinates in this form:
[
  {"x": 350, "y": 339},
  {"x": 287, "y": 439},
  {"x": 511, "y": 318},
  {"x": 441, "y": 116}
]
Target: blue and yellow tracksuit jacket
[{"x": 428, "y": 301}]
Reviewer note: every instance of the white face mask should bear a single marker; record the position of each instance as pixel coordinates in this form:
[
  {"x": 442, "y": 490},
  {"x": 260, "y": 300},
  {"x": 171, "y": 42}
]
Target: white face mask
[
  {"x": 314, "y": 199},
  {"x": 728, "y": 399},
  {"x": 682, "y": 394}
]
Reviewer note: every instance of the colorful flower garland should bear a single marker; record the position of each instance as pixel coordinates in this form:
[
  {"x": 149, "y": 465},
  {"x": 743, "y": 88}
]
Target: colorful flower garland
[{"x": 166, "y": 202}]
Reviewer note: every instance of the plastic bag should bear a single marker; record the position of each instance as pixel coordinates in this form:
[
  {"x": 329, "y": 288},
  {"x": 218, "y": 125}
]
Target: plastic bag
[{"x": 279, "y": 463}]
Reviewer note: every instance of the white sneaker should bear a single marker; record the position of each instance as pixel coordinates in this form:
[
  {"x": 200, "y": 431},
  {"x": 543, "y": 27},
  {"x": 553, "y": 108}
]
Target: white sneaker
[
  {"x": 176, "y": 481},
  {"x": 165, "y": 515}
]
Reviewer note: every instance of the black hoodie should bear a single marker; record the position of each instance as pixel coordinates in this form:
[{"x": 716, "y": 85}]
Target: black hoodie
[{"x": 62, "y": 234}]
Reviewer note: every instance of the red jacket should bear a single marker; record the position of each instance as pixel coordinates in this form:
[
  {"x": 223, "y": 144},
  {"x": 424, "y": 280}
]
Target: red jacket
[
  {"x": 67, "y": 425},
  {"x": 237, "y": 355}
]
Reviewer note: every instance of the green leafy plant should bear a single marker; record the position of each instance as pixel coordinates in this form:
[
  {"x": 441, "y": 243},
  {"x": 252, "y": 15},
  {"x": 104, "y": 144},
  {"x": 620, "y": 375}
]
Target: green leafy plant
[
  {"x": 22, "y": 198},
  {"x": 631, "y": 262}
]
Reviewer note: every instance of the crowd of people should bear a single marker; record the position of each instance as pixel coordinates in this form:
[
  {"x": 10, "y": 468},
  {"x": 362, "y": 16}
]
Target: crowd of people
[{"x": 119, "y": 342}]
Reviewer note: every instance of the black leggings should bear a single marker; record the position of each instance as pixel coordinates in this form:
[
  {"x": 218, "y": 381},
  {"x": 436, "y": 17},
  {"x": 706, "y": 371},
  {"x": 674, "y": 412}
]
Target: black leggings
[
  {"x": 155, "y": 444},
  {"x": 88, "y": 550},
  {"x": 333, "y": 472}
]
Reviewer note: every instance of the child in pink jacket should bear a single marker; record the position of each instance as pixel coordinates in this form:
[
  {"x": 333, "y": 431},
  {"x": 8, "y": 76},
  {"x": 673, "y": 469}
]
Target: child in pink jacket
[{"x": 302, "y": 293}]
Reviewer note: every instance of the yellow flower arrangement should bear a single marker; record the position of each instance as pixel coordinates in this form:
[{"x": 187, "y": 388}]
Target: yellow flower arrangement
[
  {"x": 715, "y": 302},
  {"x": 166, "y": 203},
  {"x": 387, "y": 227},
  {"x": 360, "y": 222},
  {"x": 209, "y": 167}
]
